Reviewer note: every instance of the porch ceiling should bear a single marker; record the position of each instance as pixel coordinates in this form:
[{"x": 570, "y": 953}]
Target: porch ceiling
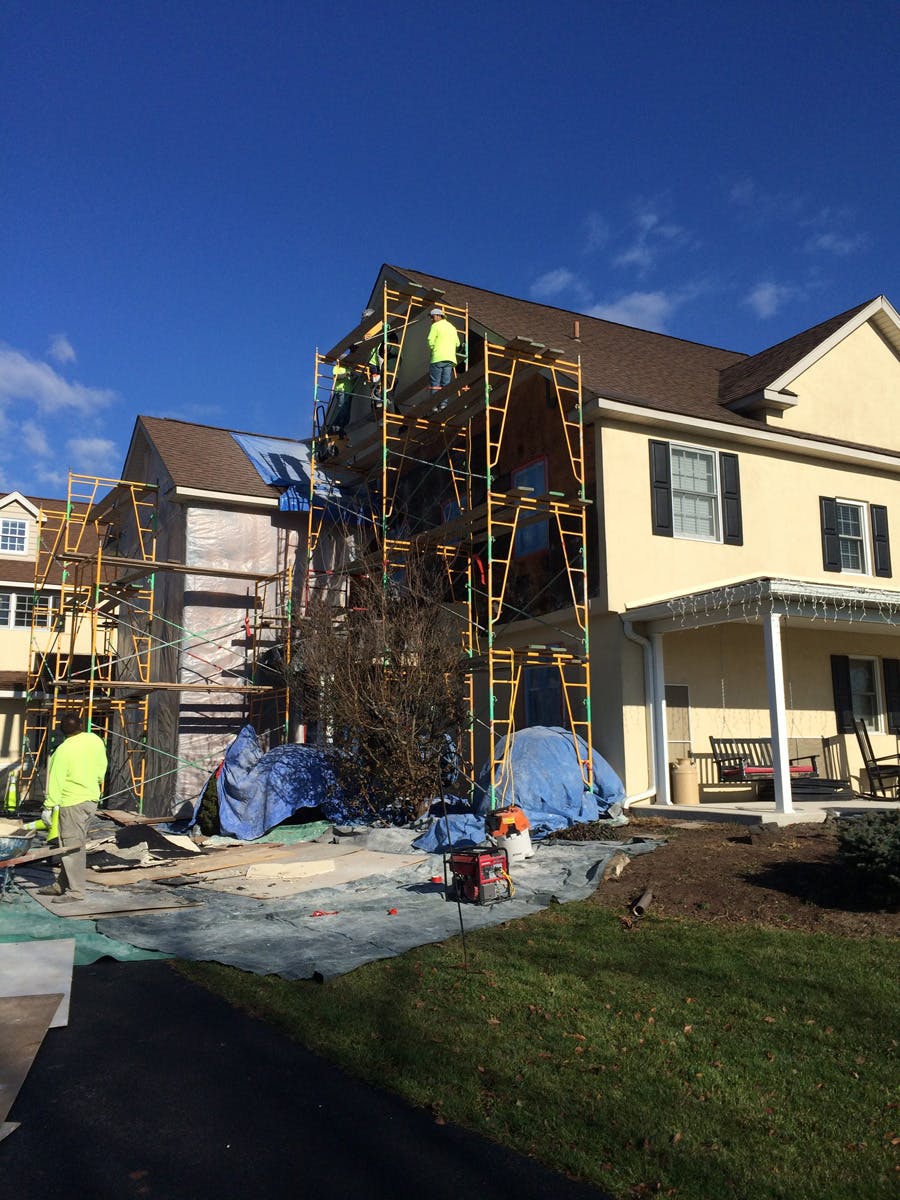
[{"x": 749, "y": 600}]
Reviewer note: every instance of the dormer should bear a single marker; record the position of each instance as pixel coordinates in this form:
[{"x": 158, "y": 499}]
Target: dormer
[{"x": 19, "y": 522}]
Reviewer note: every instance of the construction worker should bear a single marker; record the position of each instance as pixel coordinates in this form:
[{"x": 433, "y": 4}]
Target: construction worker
[
  {"x": 74, "y": 786},
  {"x": 341, "y": 399},
  {"x": 443, "y": 342}
]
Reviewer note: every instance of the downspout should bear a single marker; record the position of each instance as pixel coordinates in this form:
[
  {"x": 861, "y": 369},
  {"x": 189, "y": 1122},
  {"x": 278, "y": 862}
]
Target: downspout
[{"x": 647, "y": 654}]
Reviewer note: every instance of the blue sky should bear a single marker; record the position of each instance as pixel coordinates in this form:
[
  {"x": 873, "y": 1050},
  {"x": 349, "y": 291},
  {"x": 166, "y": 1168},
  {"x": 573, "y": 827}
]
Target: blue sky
[{"x": 197, "y": 194}]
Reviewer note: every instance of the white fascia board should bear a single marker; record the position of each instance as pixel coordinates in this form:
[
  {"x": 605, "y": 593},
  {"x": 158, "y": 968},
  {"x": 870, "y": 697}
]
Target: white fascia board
[
  {"x": 19, "y": 584},
  {"x": 185, "y": 495},
  {"x": 879, "y": 305},
  {"x": 18, "y": 498},
  {"x": 639, "y": 415}
]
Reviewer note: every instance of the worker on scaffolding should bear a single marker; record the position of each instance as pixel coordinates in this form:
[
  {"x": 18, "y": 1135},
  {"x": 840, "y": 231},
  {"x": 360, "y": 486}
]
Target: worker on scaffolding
[
  {"x": 339, "y": 406},
  {"x": 74, "y": 786},
  {"x": 377, "y": 367},
  {"x": 443, "y": 342}
]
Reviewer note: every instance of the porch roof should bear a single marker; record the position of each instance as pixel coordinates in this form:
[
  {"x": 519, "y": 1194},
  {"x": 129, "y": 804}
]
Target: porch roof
[{"x": 749, "y": 600}]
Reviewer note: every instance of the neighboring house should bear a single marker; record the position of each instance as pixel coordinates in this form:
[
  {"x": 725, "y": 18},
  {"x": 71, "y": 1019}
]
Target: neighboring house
[
  {"x": 219, "y": 513},
  {"x": 30, "y": 620}
]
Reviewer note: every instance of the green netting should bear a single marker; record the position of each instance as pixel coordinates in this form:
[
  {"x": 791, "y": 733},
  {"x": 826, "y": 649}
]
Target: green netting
[{"x": 24, "y": 920}]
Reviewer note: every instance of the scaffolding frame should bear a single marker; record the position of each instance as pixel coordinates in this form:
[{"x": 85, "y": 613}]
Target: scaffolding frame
[
  {"x": 463, "y": 430},
  {"x": 105, "y": 542}
]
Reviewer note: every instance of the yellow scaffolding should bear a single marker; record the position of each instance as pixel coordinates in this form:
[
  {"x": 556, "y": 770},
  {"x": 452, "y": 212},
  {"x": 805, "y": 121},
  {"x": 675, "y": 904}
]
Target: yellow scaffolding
[
  {"x": 464, "y": 429},
  {"x": 100, "y": 658}
]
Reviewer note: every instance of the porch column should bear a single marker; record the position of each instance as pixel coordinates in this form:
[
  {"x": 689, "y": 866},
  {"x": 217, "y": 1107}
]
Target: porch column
[
  {"x": 777, "y": 717},
  {"x": 660, "y": 731}
]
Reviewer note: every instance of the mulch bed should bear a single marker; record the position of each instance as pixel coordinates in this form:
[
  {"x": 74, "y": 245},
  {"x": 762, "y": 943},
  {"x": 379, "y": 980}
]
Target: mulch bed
[{"x": 786, "y": 878}]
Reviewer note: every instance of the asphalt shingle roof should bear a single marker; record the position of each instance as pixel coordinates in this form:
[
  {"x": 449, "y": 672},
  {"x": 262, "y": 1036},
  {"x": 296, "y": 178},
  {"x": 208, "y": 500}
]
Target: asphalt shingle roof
[{"x": 205, "y": 457}]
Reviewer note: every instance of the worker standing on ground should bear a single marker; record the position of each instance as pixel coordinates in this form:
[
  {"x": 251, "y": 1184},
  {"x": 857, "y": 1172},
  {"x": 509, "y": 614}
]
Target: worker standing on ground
[
  {"x": 443, "y": 342},
  {"x": 74, "y": 786}
]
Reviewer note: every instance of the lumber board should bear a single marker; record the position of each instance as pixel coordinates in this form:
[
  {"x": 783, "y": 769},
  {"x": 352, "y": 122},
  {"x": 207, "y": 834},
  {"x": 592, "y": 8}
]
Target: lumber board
[{"x": 121, "y": 817}]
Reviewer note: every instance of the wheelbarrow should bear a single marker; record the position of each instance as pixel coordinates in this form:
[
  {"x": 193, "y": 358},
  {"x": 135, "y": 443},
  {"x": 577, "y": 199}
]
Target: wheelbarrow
[{"x": 11, "y": 850}]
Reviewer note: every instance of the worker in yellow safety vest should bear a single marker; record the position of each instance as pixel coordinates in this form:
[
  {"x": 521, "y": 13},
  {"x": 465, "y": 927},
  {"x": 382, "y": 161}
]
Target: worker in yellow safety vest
[
  {"x": 74, "y": 786},
  {"x": 443, "y": 342}
]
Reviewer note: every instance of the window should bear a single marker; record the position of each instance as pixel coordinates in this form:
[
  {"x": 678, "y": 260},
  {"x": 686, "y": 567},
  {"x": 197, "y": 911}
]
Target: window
[
  {"x": 678, "y": 720},
  {"x": 531, "y": 538},
  {"x": 864, "y": 699},
  {"x": 543, "y": 696},
  {"x": 855, "y": 537},
  {"x": 868, "y": 690},
  {"x": 695, "y": 493},
  {"x": 13, "y": 535},
  {"x": 18, "y": 610}
]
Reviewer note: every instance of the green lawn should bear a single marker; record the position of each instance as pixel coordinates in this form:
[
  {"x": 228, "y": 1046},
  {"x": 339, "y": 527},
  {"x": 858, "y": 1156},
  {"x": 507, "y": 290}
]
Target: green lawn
[{"x": 677, "y": 1058}]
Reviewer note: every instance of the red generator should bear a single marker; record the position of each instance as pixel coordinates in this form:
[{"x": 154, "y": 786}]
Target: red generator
[{"x": 480, "y": 876}]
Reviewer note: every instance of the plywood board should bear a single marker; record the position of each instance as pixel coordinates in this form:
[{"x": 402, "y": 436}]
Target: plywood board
[
  {"x": 212, "y": 860},
  {"x": 129, "y": 818},
  {"x": 101, "y": 903},
  {"x": 24, "y": 1021},
  {"x": 348, "y": 867},
  {"x": 38, "y": 968}
]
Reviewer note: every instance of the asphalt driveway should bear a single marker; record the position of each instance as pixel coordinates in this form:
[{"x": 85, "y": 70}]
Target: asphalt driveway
[{"x": 157, "y": 1089}]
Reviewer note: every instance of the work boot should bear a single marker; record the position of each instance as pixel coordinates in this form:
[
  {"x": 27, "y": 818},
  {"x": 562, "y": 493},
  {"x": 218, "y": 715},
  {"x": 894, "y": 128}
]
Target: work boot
[{"x": 52, "y": 889}]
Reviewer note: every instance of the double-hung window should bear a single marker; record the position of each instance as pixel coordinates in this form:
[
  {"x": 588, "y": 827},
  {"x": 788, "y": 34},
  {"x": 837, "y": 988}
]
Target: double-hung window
[
  {"x": 854, "y": 537},
  {"x": 695, "y": 493},
  {"x": 13, "y": 536}
]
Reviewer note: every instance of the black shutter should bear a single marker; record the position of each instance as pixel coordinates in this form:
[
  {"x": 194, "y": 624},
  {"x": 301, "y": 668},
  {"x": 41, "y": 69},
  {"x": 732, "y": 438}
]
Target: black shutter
[
  {"x": 732, "y": 525},
  {"x": 843, "y": 700},
  {"x": 880, "y": 543},
  {"x": 661, "y": 488},
  {"x": 891, "y": 670},
  {"x": 831, "y": 547}
]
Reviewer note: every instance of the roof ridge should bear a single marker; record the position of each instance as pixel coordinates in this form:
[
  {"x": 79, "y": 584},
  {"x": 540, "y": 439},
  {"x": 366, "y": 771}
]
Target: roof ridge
[{"x": 570, "y": 311}]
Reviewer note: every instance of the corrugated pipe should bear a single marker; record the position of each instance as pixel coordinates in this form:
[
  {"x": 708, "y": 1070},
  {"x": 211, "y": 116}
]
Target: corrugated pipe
[{"x": 647, "y": 652}]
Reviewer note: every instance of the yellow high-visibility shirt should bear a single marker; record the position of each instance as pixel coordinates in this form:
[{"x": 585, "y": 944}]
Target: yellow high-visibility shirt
[
  {"x": 443, "y": 341},
  {"x": 77, "y": 769}
]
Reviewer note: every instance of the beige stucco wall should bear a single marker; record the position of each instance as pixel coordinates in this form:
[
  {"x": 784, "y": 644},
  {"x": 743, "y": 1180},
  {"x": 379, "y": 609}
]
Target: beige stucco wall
[
  {"x": 780, "y": 508},
  {"x": 851, "y": 393}
]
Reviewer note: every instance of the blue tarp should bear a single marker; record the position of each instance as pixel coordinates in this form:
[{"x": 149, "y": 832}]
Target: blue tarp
[
  {"x": 285, "y": 463},
  {"x": 257, "y": 790},
  {"x": 543, "y": 778}
]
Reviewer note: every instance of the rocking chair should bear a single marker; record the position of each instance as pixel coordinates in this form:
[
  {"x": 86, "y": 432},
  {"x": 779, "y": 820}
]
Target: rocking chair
[{"x": 884, "y": 772}]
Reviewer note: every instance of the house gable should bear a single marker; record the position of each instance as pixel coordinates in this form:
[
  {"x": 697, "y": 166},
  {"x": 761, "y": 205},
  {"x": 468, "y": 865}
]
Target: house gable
[{"x": 852, "y": 391}]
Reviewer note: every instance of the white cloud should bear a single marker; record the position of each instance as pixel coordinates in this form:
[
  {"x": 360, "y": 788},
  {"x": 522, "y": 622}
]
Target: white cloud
[
  {"x": 837, "y": 243},
  {"x": 88, "y": 454},
  {"x": 552, "y": 283},
  {"x": 596, "y": 232},
  {"x": 767, "y": 297},
  {"x": 34, "y": 439},
  {"x": 646, "y": 310},
  {"x": 24, "y": 380},
  {"x": 61, "y": 349},
  {"x": 54, "y": 479},
  {"x": 653, "y": 236}
]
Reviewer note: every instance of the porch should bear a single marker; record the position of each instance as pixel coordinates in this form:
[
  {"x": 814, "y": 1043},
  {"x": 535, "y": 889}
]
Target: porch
[{"x": 779, "y": 685}]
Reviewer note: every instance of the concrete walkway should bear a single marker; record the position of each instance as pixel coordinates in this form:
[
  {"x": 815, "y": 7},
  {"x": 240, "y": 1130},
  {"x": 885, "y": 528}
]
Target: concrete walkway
[{"x": 158, "y": 1090}]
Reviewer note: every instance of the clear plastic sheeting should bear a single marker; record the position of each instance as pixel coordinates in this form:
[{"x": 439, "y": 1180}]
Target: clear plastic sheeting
[{"x": 258, "y": 790}]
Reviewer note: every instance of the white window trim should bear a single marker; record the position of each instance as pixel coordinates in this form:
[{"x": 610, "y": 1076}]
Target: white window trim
[
  {"x": 696, "y": 537},
  {"x": 14, "y": 593},
  {"x": 19, "y": 521},
  {"x": 879, "y": 688},
  {"x": 865, "y": 526}
]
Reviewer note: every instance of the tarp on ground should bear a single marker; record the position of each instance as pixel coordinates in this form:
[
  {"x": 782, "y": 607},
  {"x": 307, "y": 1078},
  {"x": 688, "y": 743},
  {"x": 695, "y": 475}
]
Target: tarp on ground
[
  {"x": 542, "y": 776},
  {"x": 258, "y": 790}
]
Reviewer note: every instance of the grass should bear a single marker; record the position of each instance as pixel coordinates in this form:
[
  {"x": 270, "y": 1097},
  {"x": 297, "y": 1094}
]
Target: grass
[{"x": 676, "y": 1059}]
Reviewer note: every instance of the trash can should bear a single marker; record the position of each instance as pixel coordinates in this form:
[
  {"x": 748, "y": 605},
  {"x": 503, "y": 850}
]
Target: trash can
[{"x": 685, "y": 782}]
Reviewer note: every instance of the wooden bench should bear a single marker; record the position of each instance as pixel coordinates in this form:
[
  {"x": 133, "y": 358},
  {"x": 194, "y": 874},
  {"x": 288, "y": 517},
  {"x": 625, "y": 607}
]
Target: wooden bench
[{"x": 749, "y": 760}]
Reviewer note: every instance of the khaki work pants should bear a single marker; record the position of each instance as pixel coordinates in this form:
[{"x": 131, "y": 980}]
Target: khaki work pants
[{"x": 73, "y": 826}]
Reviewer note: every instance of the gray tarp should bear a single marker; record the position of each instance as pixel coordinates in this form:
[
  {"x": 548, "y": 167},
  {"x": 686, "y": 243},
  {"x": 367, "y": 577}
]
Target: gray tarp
[{"x": 283, "y": 938}]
